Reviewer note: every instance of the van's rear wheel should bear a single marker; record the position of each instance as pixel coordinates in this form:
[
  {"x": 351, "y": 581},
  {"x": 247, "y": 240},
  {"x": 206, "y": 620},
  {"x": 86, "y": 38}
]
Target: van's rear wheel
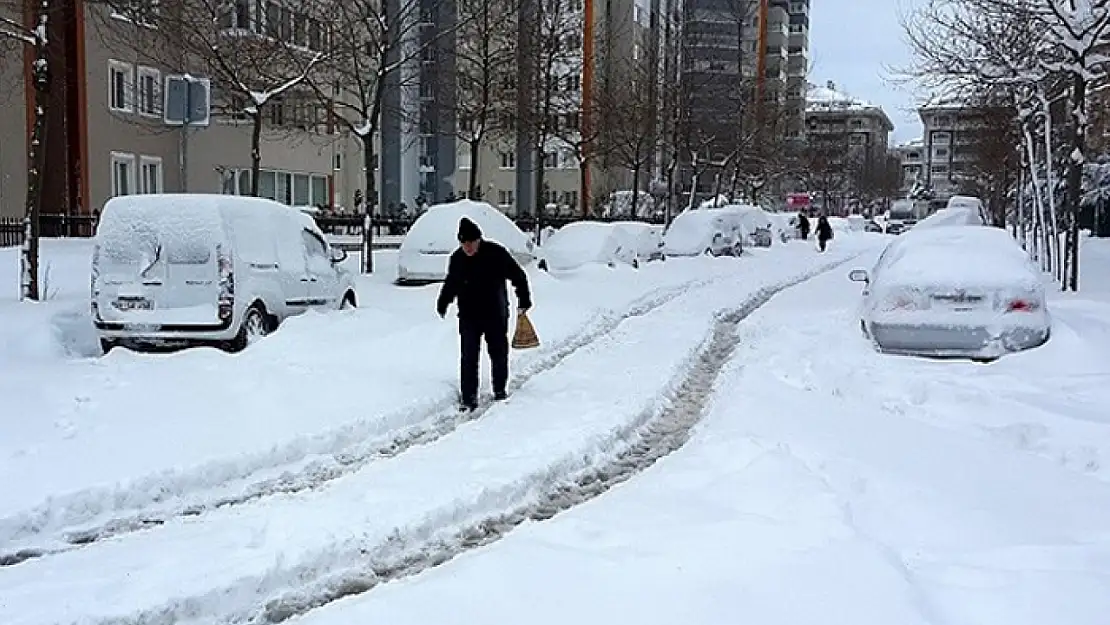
[{"x": 255, "y": 325}]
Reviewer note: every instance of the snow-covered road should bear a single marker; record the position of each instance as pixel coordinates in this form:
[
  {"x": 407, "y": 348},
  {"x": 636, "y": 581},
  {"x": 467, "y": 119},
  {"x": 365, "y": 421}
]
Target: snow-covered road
[
  {"x": 828, "y": 484},
  {"x": 582, "y": 411}
]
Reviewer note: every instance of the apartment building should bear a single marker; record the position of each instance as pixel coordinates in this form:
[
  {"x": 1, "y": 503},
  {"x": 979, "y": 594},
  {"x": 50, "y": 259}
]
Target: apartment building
[
  {"x": 835, "y": 117},
  {"x": 911, "y": 161},
  {"x": 797, "y": 68},
  {"x": 107, "y": 136},
  {"x": 948, "y": 144}
]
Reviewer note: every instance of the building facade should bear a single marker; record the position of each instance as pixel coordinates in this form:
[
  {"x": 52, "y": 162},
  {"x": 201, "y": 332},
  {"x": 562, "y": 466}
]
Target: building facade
[
  {"x": 911, "y": 162},
  {"x": 113, "y": 140},
  {"x": 948, "y": 145}
]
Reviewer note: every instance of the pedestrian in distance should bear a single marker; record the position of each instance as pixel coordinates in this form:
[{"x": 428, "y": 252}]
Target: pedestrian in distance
[
  {"x": 476, "y": 276},
  {"x": 803, "y": 226},
  {"x": 824, "y": 232}
]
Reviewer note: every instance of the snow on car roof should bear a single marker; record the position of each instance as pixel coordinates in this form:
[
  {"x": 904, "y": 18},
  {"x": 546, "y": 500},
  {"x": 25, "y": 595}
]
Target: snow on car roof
[{"x": 968, "y": 255}]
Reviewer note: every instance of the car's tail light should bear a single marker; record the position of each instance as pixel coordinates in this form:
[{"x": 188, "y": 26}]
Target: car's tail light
[
  {"x": 227, "y": 282},
  {"x": 1022, "y": 305}
]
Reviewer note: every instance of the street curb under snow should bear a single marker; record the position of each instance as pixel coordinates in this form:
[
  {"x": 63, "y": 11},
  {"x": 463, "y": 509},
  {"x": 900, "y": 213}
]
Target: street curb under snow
[
  {"x": 75, "y": 520},
  {"x": 660, "y": 427}
]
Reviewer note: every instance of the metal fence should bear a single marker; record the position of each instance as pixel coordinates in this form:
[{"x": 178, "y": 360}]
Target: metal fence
[{"x": 11, "y": 228}]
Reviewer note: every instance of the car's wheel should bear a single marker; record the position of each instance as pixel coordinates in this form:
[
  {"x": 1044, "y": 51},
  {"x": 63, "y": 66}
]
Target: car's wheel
[
  {"x": 255, "y": 326},
  {"x": 349, "y": 301},
  {"x": 737, "y": 249},
  {"x": 107, "y": 345}
]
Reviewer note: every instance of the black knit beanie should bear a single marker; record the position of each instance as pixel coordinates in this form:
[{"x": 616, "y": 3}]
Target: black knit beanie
[{"x": 468, "y": 230}]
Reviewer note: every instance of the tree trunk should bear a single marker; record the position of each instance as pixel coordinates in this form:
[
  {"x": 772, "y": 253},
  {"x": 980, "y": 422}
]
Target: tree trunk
[
  {"x": 1038, "y": 206},
  {"x": 1050, "y": 188},
  {"x": 583, "y": 188},
  {"x": 256, "y": 149},
  {"x": 371, "y": 205},
  {"x": 1075, "y": 173},
  {"x": 734, "y": 182},
  {"x": 473, "y": 192},
  {"x": 36, "y": 159},
  {"x": 635, "y": 190}
]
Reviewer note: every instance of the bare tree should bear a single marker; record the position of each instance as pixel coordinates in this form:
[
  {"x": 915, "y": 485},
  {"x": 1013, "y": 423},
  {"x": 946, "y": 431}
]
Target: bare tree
[
  {"x": 986, "y": 45},
  {"x": 628, "y": 116},
  {"x": 486, "y": 76},
  {"x": 34, "y": 38},
  {"x": 254, "y": 53},
  {"x": 557, "y": 52},
  {"x": 378, "y": 46}
]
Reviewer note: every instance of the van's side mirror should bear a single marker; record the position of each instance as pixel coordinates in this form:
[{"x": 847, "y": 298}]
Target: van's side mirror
[
  {"x": 338, "y": 255},
  {"x": 858, "y": 275}
]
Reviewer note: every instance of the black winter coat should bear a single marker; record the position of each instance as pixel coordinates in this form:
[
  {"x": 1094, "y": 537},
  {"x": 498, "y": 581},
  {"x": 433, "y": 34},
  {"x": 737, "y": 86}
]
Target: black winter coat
[
  {"x": 824, "y": 229},
  {"x": 478, "y": 282}
]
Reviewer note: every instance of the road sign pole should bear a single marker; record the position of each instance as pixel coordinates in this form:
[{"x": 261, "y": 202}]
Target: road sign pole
[{"x": 183, "y": 143}]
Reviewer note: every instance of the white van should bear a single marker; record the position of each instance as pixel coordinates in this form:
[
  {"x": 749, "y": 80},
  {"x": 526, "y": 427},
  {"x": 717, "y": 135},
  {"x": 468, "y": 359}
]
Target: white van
[{"x": 208, "y": 269}]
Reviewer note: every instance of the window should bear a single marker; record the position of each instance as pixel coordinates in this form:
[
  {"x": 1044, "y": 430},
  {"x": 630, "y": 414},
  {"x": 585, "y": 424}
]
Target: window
[
  {"x": 121, "y": 85},
  {"x": 940, "y": 169},
  {"x": 550, "y": 160},
  {"x": 505, "y": 197},
  {"x": 301, "y": 191},
  {"x": 464, "y": 157},
  {"x": 797, "y": 29},
  {"x": 123, "y": 174},
  {"x": 940, "y": 153},
  {"x": 238, "y": 15},
  {"x": 508, "y": 160},
  {"x": 245, "y": 182},
  {"x": 150, "y": 174},
  {"x": 150, "y": 92},
  {"x": 941, "y": 138},
  {"x": 313, "y": 244},
  {"x": 321, "y": 191},
  {"x": 338, "y": 166}
]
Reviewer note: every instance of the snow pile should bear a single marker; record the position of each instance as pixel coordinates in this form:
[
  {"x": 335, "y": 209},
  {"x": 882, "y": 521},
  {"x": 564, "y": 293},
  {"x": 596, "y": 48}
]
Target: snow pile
[{"x": 953, "y": 216}]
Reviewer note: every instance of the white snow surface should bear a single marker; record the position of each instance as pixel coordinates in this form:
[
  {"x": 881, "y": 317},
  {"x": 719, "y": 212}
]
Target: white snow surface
[
  {"x": 437, "y": 229},
  {"x": 584, "y": 242},
  {"x": 829, "y": 484},
  {"x": 307, "y": 389}
]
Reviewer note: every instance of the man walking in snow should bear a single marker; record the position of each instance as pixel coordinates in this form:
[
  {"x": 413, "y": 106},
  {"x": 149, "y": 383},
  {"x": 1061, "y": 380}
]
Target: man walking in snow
[
  {"x": 824, "y": 232},
  {"x": 803, "y": 226},
  {"x": 476, "y": 276}
]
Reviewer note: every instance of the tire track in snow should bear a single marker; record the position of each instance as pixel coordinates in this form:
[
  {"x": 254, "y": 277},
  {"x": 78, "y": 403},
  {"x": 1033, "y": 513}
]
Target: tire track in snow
[
  {"x": 349, "y": 458},
  {"x": 648, "y": 436}
]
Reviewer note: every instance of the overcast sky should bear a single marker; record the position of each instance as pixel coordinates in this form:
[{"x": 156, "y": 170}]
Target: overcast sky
[{"x": 853, "y": 43}]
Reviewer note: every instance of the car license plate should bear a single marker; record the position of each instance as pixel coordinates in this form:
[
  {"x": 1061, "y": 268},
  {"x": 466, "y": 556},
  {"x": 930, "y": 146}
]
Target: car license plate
[{"x": 134, "y": 304}]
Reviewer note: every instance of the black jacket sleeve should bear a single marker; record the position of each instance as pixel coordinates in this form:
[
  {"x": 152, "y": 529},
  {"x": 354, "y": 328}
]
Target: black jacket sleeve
[
  {"x": 450, "y": 288},
  {"x": 515, "y": 274}
]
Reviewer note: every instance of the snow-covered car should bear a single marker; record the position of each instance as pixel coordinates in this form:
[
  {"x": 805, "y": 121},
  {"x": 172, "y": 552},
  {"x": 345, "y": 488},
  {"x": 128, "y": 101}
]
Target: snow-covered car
[
  {"x": 953, "y": 216},
  {"x": 433, "y": 237},
  {"x": 587, "y": 242},
  {"x": 704, "y": 231},
  {"x": 785, "y": 225},
  {"x": 647, "y": 238},
  {"x": 757, "y": 223},
  {"x": 873, "y": 226},
  {"x": 208, "y": 269},
  {"x": 954, "y": 292}
]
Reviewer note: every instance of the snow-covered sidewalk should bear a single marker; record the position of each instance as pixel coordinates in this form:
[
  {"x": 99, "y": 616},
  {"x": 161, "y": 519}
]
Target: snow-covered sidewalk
[
  {"x": 233, "y": 561},
  {"x": 829, "y": 484}
]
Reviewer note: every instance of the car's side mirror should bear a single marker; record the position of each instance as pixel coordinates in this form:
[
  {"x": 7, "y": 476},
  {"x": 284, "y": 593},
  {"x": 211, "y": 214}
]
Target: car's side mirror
[
  {"x": 338, "y": 255},
  {"x": 858, "y": 275}
]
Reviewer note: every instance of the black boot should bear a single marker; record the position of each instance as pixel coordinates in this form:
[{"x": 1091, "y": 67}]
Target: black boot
[
  {"x": 500, "y": 396},
  {"x": 468, "y": 405}
]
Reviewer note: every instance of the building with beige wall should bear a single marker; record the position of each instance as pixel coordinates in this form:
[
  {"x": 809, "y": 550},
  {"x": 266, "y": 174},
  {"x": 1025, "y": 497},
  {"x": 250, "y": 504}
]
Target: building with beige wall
[{"x": 114, "y": 140}]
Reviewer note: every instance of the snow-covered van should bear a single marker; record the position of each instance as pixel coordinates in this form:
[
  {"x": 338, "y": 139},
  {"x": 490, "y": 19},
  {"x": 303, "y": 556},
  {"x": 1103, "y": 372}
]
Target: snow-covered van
[{"x": 208, "y": 269}]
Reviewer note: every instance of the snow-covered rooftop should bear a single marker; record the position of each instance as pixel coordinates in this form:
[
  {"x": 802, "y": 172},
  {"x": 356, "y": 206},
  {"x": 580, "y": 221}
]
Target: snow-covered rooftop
[{"x": 829, "y": 99}]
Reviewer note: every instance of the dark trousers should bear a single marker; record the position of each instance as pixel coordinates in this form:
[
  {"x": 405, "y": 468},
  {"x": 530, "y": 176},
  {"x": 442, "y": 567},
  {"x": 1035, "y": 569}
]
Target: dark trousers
[
  {"x": 496, "y": 332},
  {"x": 822, "y": 242}
]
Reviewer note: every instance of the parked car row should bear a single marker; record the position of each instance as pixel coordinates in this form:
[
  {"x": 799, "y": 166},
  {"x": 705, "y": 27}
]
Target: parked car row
[
  {"x": 954, "y": 287},
  {"x": 208, "y": 269}
]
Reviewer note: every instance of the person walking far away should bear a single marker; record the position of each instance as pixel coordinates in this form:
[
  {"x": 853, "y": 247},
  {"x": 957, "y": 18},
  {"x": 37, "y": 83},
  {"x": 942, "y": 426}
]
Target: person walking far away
[
  {"x": 803, "y": 226},
  {"x": 824, "y": 232},
  {"x": 476, "y": 276}
]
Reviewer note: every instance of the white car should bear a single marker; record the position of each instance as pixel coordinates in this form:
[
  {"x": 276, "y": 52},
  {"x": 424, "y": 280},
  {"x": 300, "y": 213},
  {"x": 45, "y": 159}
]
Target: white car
[
  {"x": 954, "y": 292},
  {"x": 208, "y": 269},
  {"x": 759, "y": 227},
  {"x": 587, "y": 242},
  {"x": 433, "y": 237},
  {"x": 647, "y": 238},
  {"x": 704, "y": 231}
]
